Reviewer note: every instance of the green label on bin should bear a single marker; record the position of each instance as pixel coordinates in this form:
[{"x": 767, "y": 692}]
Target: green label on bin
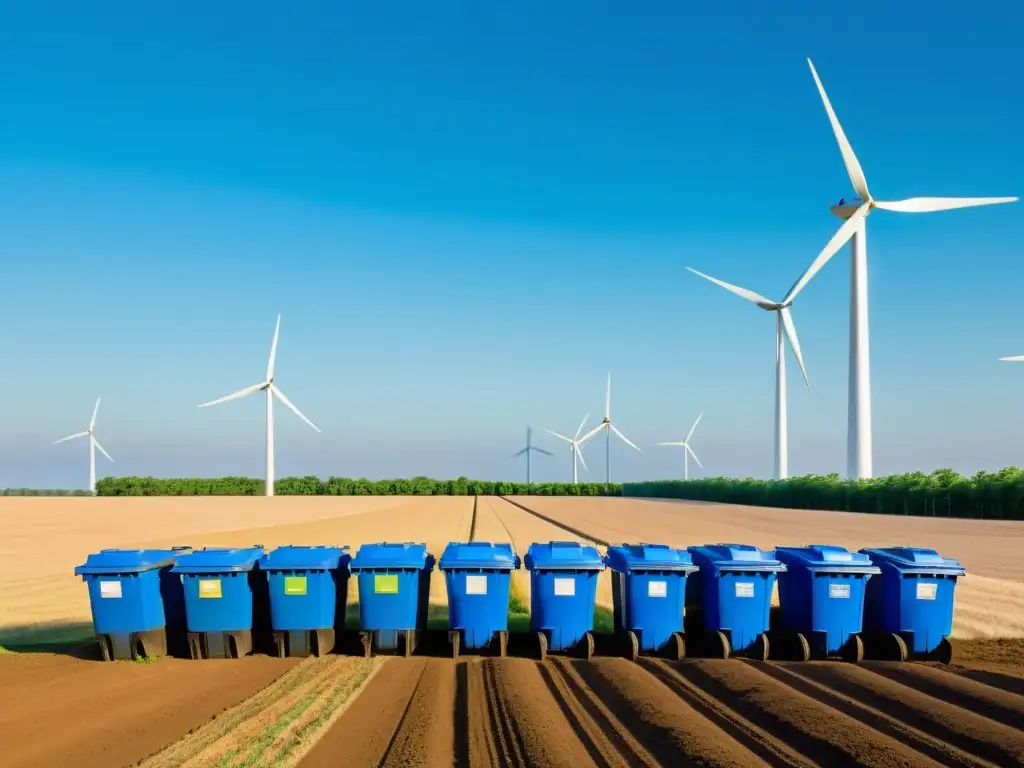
[
  {"x": 295, "y": 585},
  {"x": 385, "y": 584}
]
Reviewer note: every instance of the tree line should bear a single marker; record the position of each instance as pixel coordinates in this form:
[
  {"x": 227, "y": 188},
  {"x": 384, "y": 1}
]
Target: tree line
[
  {"x": 43, "y": 492},
  {"x": 942, "y": 493},
  {"x": 341, "y": 486}
]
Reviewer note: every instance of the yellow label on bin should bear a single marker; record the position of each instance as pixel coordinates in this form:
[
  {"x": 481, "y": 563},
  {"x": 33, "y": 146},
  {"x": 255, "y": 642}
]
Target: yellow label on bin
[
  {"x": 385, "y": 584},
  {"x": 295, "y": 585},
  {"x": 209, "y": 588}
]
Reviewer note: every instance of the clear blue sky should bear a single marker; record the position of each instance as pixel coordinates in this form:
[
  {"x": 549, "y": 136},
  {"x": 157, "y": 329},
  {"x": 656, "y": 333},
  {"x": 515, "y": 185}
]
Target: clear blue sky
[{"x": 468, "y": 213}]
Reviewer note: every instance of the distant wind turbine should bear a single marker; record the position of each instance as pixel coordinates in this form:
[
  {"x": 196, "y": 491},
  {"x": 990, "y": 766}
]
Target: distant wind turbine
[
  {"x": 272, "y": 391},
  {"x": 93, "y": 445},
  {"x": 530, "y": 448},
  {"x": 855, "y": 211},
  {"x": 783, "y": 325},
  {"x": 687, "y": 450},
  {"x": 575, "y": 443},
  {"x": 608, "y": 427}
]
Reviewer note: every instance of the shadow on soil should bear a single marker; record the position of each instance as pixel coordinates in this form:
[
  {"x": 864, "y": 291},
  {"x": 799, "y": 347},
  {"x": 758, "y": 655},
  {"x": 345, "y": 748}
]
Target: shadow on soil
[{"x": 73, "y": 638}]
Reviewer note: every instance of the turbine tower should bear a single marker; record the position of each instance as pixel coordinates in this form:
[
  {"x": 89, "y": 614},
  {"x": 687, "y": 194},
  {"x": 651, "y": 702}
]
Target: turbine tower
[
  {"x": 575, "y": 443},
  {"x": 687, "y": 450},
  {"x": 528, "y": 450},
  {"x": 855, "y": 210},
  {"x": 608, "y": 427},
  {"x": 93, "y": 445},
  {"x": 783, "y": 325},
  {"x": 272, "y": 391}
]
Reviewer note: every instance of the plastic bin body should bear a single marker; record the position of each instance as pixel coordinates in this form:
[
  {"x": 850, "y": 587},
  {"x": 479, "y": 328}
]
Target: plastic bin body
[
  {"x": 733, "y": 590},
  {"x": 308, "y": 586},
  {"x": 822, "y": 594},
  {"x": 649, "y": 591},
  {"x": 394, "y": 588},
  {"x": 477, "y": 576},
  {"x": 218, "y": 588},
  {"x": 126, "y": 589},
  {"x": 563, "y": 586},
  {"x": 913, "y": 596}
]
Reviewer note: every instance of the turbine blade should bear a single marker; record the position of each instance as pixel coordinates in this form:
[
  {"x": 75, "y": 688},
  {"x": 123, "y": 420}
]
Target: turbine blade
[
  {"x": 794, "y": 342},
  {"x": 624, "y": 439},
  {"x": 1013, "y": 359},
  {"x": 590, "y": 434},
  {"x": 844, "y": 233},
  {"x": 236, "y": 395},
  {"x": 856, "y": 173},
  {"x": 690, "y": 433},
  {"x": 95, "y": 410},
  {"x": 672, "y": 443},
  {"x": 608, "y": 398},
  {"x": 576, "y": 447},
  {"x": 514, "y": 455},
  {"x": 560, "y": 437},
  {"x": 71, "y": 437},
  {"x": 273, "y": 350},
  {"x": 541, "y": 450},
  {"x": 577, "y": 436},
  {"x": 929, "y": 204},
  {"x": 756, "y": 298},
  {"x": 97, "y": 444},
  {"x": 694, "y": 455},
  {"x": 280, "y": 396}
]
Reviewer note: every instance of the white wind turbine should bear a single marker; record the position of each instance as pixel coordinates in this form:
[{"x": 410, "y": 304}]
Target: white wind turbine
[
  {"x": 575, "y": 444},
  {"x": 855, "y": 211},
  {"x": 783, "y": 325},
  {"x": 687, "y": 450},
  {"x": 608, "y": 427},
  {"x": 93, "y": 445},
  {"x": 272, "y": 391},
  {"x": 530, "y": 448}
]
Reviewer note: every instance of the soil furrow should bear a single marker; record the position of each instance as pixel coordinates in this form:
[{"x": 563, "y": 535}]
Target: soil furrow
[
  {"x": 426, "y": 731},
  {"x": 954, "y": 725},
  {"x": 998, "y": 680},
  {"x": 862, "y": 711},
  {"x": 507, "y": 742},
  {"x": 825, "y": 736}
]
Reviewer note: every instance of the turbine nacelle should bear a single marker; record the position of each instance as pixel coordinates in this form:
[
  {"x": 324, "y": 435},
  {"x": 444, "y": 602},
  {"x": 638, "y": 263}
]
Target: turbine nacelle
[{"x": 847, "y": 206}]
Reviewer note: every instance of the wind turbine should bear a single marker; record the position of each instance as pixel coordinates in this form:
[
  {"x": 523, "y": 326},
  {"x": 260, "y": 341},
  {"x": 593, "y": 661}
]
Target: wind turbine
[
  {"x": 575, "y": 443},
  {"x": 608, "y": 427},
  {"x": 783, "y": 324},
  {"x": 855, "y": 210},
  {"x": 93, "y": 445},
  {"x": 272, "y": 391},
  {"x": 527, "y": 450},
  {"x": 687, "y": 450}
]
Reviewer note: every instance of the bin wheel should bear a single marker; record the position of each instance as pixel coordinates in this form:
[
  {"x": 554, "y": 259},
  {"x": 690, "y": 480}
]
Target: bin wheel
[
  {"x": 503, "y": 644},
  {"x": 897, "y": 648},
  {"x": 456, "y": 640},
  {"x": 676, "y": 647},
  {"x": 761, "y": 648},
  {"x": 801, "y": 648},
  {"x": 587, "y": 645},
  {"x": 106, "y": 652},
  {"x": 943, "y": 652},
  {"x": 631, "y": 646},
  {"x": 542, "y": 644},
  {"x": 718, "y": 645},
  {"x": 854, "y": 650}
]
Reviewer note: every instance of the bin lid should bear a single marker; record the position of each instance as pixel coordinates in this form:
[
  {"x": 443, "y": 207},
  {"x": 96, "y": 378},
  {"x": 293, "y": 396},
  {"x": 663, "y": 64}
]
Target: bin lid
[
  {"x": 563, "y": 555},
  {"x": 827, "y": 557},
  {"x": 916, "y": 560},
  {"x": 125, "y": 561},
  {"x": 649, "y": 557},
  {"x": 737, "y": 557},
  {"x": 392, "y": 555},
  {"x": 218, "y": 560},
  {"x": 297, "y": 558},
  {"x": 479, "y": 554}
]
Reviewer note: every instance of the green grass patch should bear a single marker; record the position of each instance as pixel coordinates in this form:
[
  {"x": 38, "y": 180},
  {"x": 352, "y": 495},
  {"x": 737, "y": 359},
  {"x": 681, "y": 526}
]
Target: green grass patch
[
  {"x": 4, "y": 650},
  {"x": 604, "y": 620}
]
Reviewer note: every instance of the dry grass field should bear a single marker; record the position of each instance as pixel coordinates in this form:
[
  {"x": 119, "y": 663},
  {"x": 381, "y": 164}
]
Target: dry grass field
[{"x": 58, "y": 709}]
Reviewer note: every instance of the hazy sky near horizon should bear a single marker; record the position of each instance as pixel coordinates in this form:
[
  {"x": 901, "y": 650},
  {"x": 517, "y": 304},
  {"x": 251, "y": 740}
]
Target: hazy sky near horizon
[{"x": 468, "y": 214}]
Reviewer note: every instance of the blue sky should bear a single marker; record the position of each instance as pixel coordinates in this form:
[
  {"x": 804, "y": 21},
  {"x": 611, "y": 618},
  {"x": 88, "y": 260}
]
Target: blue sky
[{"x": 468, "y": 214}]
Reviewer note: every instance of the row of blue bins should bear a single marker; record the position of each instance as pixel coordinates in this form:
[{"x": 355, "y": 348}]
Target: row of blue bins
[{"x": 211, "y": 602}]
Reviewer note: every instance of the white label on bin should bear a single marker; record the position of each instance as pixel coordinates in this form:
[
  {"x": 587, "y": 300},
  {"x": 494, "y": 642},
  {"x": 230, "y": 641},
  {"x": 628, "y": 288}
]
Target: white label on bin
[
  {"x": 476, "y": 585},
  {"x": 841, "y": 557},
  {"x": 839, "y": 590},
  {"x": 110, "y": 589},
  {"x": 926, "y": 591},
  {"x": 657, "y": 588},
  {"x": 744, "y": 589},
  {"x": 565, "y": 587}
]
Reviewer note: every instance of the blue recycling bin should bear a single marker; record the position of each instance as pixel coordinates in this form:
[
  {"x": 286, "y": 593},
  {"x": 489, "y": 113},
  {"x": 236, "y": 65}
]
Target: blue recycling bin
[
  {"x": 563, "y": 589},
  {"x": 394, "y": 590},
  {"x": 222, "y": 587},
  {"x": 728, "y": 600},
  {"x": 308, "y": 589},
  {"x": 477, "y": 575},
  {"x": 821, "y": 595},
  {"x": 911, "y": 602},
  {"x": 135, "y": 601},
  {"x": 648, "y": 596}
]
